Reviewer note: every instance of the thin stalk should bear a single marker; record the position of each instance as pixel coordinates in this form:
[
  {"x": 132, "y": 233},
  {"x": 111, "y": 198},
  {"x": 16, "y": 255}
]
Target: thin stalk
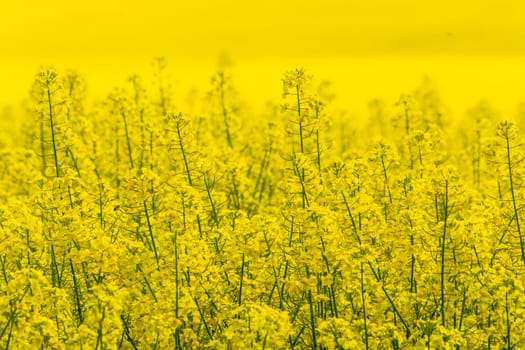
[
  {"x": 386, "y": 179},
  {"x": 298, "y": 95},
  {"x": 77, "y": 296},
  {"x": 55, "y": 279},
  {"x": 239, "y": 298},
  {"x": 317, "y": 136},
  {"x": 312, "y": 320},
  {"x": 43, "y": 146},
  {"x": 225, "y": 111},
  {"x": 203, "y": 319},
  {"x": 128, "y": 333},
  {"x": 9, "y": 324},
  {"x": 185, "y": 159},
  {"x": 443, "y": 249},
  {"x": 507, "y": 321},
  {"x": 514, "y": 204},
  {"x": 101, "y": 205},
  {"x": 128, "y": 141},
  {"x": 349, "y": 211},
  {"x": 177, "y": 291},
  {"x": 300, "y": 173},
  {"x": 3, "y": 262},
  {"x": 214, "y": 214},
  {"x": 100, "y": 331},
  {"x": 396, "y": 311},
  {"x": 53, "y": 137},
  {"x": 363, "y": 301},
  {"x": 150, "y": 230}
]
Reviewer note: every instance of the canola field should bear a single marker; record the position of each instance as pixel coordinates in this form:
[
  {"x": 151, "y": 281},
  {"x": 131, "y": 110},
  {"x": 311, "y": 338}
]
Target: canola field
[{"x": 137, "y": 222}]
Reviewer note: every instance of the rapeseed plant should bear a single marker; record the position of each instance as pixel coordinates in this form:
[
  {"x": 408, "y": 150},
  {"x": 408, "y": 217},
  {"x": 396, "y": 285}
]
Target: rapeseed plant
[{"x": 133, "y": 224}]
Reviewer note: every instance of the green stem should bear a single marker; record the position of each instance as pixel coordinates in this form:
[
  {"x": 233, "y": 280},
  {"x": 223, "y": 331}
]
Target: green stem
[
  {"x": 514, "y": 204},
  {"x": 128, "y": 141},
  {"x": 507, "y": 319},
  {"x": 225, "y": 111},
  {"x": 53, "y": 137},
  {"x": 443, "y": 249},
  {"x": 312, "y": 320},
  {"x": 202, "y": 318},
  {"x": 181, "y": 146},
  {"x": 363, "y": 301},
  {"x": 77, "y": 297},
  {"x": 241, "y": 280},
  {"x": 150, "y": 230}
]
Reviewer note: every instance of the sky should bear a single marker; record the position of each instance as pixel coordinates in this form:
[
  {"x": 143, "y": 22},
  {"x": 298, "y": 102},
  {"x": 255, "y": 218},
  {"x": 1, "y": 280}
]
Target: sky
[{"x": 373, "y": 47}]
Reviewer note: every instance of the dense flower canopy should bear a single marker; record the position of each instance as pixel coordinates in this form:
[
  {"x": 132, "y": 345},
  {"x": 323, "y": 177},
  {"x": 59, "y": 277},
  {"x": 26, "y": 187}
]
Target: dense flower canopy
[{"x": 133, "y": 223}]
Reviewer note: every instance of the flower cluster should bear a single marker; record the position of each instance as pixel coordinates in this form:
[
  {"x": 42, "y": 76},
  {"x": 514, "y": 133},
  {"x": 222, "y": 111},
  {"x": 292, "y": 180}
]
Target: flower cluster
[{"x": 132, "y": 224}]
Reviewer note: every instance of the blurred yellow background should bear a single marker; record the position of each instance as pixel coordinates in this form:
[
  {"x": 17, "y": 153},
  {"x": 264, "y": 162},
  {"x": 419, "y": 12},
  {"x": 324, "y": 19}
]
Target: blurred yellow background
[{"x": 376, "y": 48}]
